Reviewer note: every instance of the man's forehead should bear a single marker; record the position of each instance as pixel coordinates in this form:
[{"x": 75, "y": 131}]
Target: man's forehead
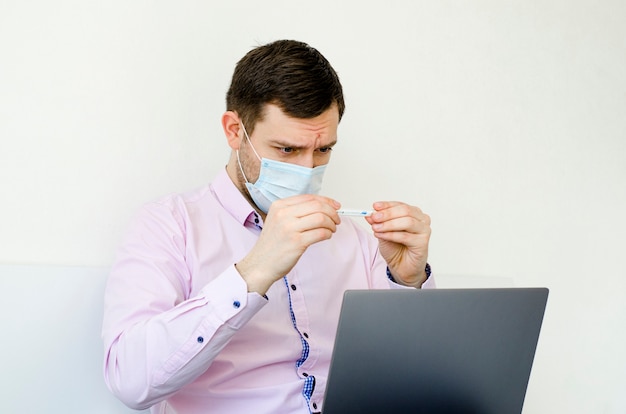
[
  {"x": 275, "y": 112},
  {"x": 283, "y": 129}
]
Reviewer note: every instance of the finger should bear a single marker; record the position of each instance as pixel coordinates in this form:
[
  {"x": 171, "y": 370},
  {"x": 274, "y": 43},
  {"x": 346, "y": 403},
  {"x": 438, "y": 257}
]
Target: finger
[
  {"x": 315, "y": 221},
  {"x": 303, "y": 198},
  {"x": 304, "y": 206},
  {"x": 381, "y": 205},
  {"x": 405, "y": 238},
  {"x": 389, "y": 210},
  {"x": 301, "y": 232},
  {"x": 385, "y": 205},
  {"x": 408, "y": 224},
  {"x": 315, "y": 235}
]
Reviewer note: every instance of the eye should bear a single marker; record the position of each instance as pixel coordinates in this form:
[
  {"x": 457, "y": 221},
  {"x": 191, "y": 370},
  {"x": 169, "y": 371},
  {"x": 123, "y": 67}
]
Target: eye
[
  {"x": 325, "y": 150},
  {"x": 286, "y": 150}
]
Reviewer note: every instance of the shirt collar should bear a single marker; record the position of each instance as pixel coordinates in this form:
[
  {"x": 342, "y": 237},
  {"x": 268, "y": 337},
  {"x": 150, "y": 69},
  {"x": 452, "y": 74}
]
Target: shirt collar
[{"x": 232, "y": 200}]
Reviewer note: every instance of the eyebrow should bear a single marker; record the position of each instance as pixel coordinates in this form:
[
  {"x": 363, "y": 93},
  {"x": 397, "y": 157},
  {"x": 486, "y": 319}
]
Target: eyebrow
[{"x": 285, "y": 144}]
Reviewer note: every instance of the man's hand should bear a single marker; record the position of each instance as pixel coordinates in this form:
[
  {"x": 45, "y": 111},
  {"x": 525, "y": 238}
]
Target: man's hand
[
  {"x": 403, "y": 232},
  {"x": 291, "y": 226}
]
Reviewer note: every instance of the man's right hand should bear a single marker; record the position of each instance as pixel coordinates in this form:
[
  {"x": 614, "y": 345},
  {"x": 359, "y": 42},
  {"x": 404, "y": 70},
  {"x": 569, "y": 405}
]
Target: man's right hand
[{"x": 291, "y": 226}]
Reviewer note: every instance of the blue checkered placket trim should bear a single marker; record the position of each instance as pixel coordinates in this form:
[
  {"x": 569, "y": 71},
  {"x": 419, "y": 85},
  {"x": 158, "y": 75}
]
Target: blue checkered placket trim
[{"x": 309, "y": 381}]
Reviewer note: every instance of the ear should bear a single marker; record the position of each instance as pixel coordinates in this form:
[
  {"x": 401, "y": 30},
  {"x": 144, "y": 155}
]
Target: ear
[{"x": 232, "y": 129}]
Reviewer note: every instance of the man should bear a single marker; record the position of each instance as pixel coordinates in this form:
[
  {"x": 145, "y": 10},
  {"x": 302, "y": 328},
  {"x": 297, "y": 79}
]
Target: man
[{"x": 226, "y": 299}]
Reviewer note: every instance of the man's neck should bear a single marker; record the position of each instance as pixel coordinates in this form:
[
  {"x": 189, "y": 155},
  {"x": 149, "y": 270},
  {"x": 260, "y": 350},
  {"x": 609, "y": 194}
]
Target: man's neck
[{"x": 235, "y": 176}]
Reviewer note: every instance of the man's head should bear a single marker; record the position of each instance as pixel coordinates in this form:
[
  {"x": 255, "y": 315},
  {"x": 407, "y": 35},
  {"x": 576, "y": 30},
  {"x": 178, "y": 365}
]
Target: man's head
[
  {"x": 289, "y": 100},
  {"x": 289, "y": 74}
]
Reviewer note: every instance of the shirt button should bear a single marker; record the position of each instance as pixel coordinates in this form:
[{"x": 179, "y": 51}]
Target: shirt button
[
  {"x": 236, "y": 304},
  {"x": 304, "y": 374},
  {"x": 315, "y": 406},
  {"x": 306, "y": 335},
  {"x": 293, "y": 287},
  {"x": 200, "y": 339}
]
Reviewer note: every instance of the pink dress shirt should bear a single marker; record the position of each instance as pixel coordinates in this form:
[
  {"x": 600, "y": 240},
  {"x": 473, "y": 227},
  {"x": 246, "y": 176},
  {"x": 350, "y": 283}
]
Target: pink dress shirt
[{"x": 182, "y": 334}]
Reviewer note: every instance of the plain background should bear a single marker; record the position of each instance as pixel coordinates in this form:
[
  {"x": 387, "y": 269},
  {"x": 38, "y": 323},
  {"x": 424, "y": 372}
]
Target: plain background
[{"x": 504, "y": 120}]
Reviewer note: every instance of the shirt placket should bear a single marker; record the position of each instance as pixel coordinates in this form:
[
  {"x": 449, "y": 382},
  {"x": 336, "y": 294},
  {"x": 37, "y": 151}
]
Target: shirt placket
[{"x": 300, "y": 321}]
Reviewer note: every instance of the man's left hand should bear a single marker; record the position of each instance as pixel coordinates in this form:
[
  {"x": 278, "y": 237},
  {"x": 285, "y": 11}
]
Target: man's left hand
[{"x": 403, "y": 232}]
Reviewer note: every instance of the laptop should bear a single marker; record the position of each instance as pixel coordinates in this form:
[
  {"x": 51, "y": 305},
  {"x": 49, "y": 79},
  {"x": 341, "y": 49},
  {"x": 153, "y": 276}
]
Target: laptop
[{"x": 438, "y": 351}]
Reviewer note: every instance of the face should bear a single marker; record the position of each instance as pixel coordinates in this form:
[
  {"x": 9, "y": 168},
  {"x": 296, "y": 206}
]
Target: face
[{"x": 305, "y": 142}]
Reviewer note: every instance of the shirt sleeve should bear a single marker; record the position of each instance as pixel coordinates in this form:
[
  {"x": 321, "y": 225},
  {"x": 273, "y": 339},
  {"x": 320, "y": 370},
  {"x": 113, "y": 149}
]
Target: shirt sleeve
[{"x": 157, "y": 337}]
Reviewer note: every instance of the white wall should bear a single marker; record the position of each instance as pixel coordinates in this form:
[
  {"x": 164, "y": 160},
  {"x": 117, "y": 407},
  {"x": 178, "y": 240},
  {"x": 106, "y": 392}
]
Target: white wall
[{"x": 504, "y": 120}]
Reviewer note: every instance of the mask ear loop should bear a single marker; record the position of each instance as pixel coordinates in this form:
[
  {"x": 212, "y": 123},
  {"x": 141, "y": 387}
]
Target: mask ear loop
[
  {"x": 251, "y": 146},
  {"x": 240, "y": 168},
  {"x": 250, "y": 142}
]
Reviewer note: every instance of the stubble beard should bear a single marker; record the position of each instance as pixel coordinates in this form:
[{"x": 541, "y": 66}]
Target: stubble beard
[{"x": 252, "y": 173}]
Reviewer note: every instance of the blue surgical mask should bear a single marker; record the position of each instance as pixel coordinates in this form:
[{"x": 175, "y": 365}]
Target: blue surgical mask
[{"x": 279, "y": 180}]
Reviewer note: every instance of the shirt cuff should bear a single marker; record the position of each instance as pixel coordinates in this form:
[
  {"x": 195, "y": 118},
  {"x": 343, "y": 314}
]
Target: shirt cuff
[
  {"x": 427, "y": 269},
  {"x": 232, "y": 303}
]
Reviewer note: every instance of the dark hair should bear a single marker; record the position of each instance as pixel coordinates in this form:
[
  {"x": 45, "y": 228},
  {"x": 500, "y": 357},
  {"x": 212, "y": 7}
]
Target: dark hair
[{"x": 290, "y": 74}]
